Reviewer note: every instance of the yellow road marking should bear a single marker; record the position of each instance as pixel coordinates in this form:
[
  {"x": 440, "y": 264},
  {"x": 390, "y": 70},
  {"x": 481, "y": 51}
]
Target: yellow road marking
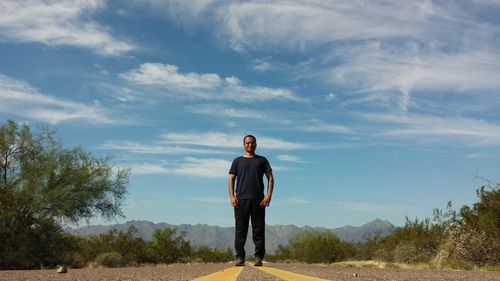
[
  {"x": 229, "y": 274},
  {"x": 289, "y": 276}
]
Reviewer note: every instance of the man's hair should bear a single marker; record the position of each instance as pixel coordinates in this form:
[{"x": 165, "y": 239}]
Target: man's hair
[{"x": 249, "y": 136}]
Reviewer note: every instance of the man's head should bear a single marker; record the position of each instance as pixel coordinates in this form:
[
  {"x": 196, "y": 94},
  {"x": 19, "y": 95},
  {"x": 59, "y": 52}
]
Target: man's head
[{"x": 249, "y": 144}]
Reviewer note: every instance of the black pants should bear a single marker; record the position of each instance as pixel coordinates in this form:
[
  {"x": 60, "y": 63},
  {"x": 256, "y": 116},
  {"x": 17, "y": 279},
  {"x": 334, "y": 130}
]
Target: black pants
[{"x": 249, "y": 209}]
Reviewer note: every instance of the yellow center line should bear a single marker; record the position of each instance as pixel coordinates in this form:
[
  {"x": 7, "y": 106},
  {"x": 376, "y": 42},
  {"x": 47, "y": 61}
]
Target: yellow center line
[
  {"x": 289, "y": 276},
  {"x": 230, "y": 274}
]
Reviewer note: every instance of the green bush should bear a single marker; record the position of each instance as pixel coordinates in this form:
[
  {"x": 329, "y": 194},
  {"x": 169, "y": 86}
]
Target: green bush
[
  {"x": 169, "y": 247},
  {"x": 205, "y": 254},
  {"x": 317, "y": 247},
  {"x": 473, "y": 236},
  {"x": 133, "y": 249},
  {"x": 408, "y": 252},
  {"x": 109, "y": 259}
]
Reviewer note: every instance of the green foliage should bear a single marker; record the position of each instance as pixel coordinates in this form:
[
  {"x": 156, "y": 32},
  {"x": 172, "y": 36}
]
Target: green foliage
[
  {"x": 205, "y": 254},
  {"x": 420, "y": 239},
  {"x": 369, "y": 249},
  {"x": 475, "y": 237},
  {"x": 44, "y": 184},
  {"x": 169, "y": 247},
  {"x": 132, "y": 249},
  {"x": 110, "y": 259},
  {"x": 316, "y": 247}
]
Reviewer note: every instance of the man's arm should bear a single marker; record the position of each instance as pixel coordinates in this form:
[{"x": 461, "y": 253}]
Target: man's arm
[
  {"x": 234, "y": 200},
  {"x": 270, "y": 186}
]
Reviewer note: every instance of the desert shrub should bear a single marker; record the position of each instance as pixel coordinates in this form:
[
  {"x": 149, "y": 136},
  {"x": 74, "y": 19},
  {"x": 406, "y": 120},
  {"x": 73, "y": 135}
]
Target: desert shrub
[
  {"x": 416, "y": 241},
  {"x": 464, "y": 245},
  {"x": 133, "y": 249},
  {"x": 109, "y": 259},
  {"x": 170, "y": 247},
  {"x": 205, "y": 254},
  {"x": 317, "y": 247},
  {"x": 408, "y": 252},
  {"x": 473, "y": 236}
]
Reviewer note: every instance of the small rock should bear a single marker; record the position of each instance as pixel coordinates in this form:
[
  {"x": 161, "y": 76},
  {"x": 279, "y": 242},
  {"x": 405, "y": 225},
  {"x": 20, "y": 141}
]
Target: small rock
[
  {"x": 62, "y": 269},
  {"x": 354, "y": 275}
]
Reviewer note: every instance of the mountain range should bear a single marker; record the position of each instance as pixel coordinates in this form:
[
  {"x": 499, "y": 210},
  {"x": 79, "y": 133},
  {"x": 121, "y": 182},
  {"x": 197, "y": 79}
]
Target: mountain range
[{"x": 223, "y": 237}]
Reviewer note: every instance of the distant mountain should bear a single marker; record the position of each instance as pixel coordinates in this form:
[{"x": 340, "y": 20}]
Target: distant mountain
[{"x": 223, "y": 237}]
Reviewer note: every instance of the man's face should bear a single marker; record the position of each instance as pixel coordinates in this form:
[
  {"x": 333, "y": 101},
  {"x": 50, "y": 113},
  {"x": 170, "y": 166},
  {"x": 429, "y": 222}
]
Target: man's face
[{"x": 249, "y": 144}]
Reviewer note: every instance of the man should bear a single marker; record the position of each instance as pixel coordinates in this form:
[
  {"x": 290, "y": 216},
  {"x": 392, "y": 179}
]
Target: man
[{"x": 248, "y": 199}]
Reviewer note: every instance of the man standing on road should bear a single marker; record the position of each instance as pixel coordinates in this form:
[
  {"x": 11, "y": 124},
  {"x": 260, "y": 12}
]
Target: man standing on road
[{"x": 248, "y": 199}]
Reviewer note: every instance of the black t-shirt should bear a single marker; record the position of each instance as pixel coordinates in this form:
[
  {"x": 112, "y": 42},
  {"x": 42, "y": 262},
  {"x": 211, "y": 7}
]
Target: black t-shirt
[{"x": 249, "y": 174}]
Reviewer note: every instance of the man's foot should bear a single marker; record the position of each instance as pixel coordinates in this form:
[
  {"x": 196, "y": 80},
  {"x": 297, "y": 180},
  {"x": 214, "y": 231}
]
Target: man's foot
[
  {"x": 258, "y": 262},
  {"x": 240, "y": 263}
]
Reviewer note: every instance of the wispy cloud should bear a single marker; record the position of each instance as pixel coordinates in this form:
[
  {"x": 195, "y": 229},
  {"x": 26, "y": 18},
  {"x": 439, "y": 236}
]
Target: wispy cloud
[
  {"x": 376, "y": 69},
  {"x": 19, "y": 98},
  {"x": 56, "y": 23},
  {"x": 203, "y": 167},
  {"x": 147, "y": 169},
  {"x": 424, "y": 128},
  {"x": 155, "y": 149},
  {"x": 203, "y": 86},
  {"x": 224, "y": 111},
  {"x": 168, "y": 76},
  {"x": 186, "y": 166},
  {"x": 289, "y": 158},
  {"x": 388, "y": 50},
  {"x": 291, "y": 201},
  {"x": 217, "y": 139},
  {"x": 297, "y": 24},
  {"x": 320, "y": 126}
]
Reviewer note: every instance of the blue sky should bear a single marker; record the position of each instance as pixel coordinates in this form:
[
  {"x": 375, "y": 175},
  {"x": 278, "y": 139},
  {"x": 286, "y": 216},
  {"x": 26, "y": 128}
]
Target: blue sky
[{"x": 365, "y": 109}]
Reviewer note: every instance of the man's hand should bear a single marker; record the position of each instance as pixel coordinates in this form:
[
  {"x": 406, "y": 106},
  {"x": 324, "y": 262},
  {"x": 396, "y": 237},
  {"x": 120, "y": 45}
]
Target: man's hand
[
  {"x": 265, "y": 202},
  {"x": 234, "y": 201}
]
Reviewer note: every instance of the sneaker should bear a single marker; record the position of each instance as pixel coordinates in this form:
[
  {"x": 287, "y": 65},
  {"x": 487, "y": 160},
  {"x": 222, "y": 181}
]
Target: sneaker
[
  {"x": 258, "y": 262},
  {"x": 240, "y": 263}
]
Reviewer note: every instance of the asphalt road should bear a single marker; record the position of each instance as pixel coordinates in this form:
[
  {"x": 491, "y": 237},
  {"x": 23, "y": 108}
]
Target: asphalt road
[{"x": 187, "y": 272}]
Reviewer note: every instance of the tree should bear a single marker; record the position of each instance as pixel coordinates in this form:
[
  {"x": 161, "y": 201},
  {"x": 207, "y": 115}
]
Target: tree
[
  {"x": 169, "y": 247},
  {"x": 42, "y": 186}
]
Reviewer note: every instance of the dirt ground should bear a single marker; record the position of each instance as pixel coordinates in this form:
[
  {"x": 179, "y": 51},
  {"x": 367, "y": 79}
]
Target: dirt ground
[{"x": 188, "y": 272}]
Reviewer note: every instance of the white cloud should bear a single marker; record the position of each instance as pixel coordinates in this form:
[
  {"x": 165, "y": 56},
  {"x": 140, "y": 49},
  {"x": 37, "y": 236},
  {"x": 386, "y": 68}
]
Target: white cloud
[
  {"x": 168, "y": 76},
  {"x": 223, "y": 111},
  {"x": 147, "y": 169},
  {"x": 319, "y": 126},
  {"x": 207, "y": 167},
  {"x": 217, "y": 139},
  {"x": 187, "y": 166},
  {"x": 381, "y": 48},
  {"x": 20, "y": 99},
  {"x": 289, "y": 158},
  {"x": 429, "y": 129},
  {"x": 56, "y": 23},
  {"x": 203, "y": 86},
  {"x": 155, "y": 149},
  {"x": 299, "y": 24},
  {"x": 374, "y": 69},
  {"x": 331, "y": 97}
]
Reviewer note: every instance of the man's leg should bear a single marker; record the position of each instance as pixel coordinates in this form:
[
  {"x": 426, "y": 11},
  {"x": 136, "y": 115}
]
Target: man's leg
[
  {"x": 241, "y": 218},
  {"x": 259, "y": 229}
]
